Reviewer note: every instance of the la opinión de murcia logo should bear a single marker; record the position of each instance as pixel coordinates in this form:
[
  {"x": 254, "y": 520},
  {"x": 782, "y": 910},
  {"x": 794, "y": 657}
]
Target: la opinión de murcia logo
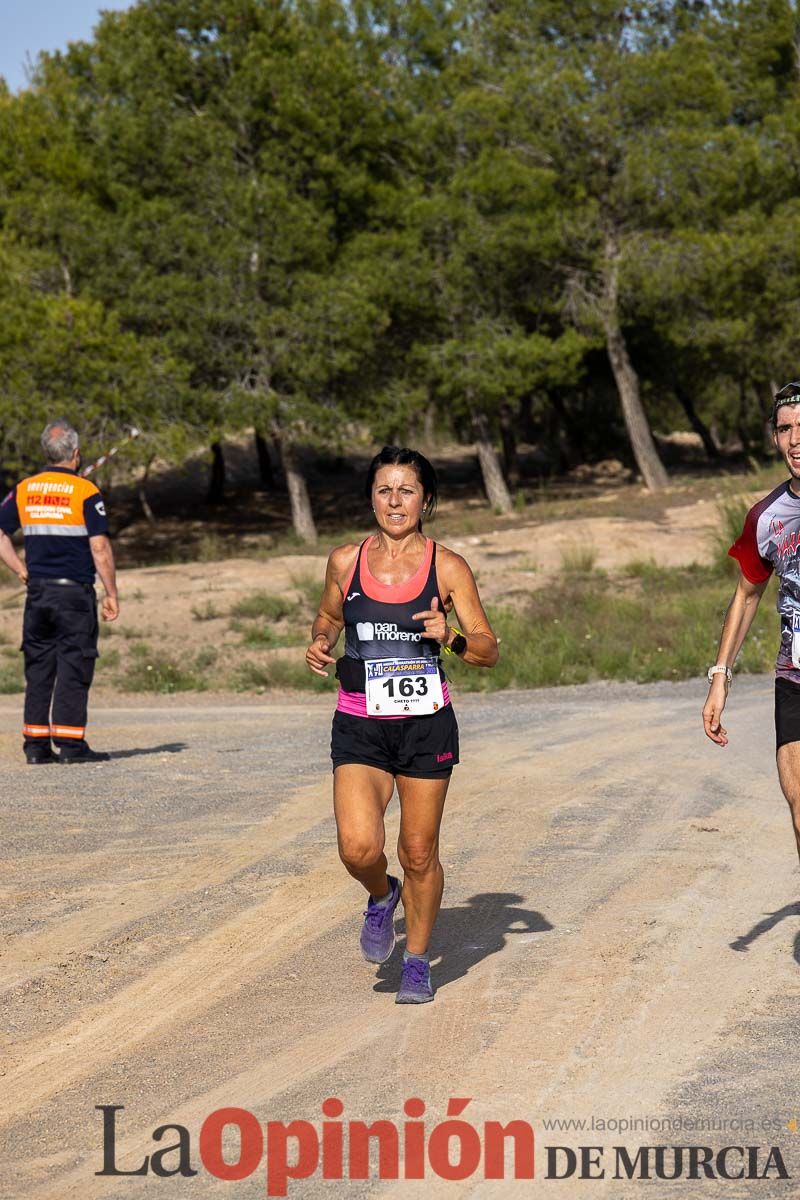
[
  {"x": 285, "y": 1151},
  {"x": 452, "y": 1149}
]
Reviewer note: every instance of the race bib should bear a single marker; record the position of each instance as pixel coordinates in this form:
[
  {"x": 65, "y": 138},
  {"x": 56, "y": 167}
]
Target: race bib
[
  {"x": 398, "y": 687},
  {"x": 796, "y": 640}
]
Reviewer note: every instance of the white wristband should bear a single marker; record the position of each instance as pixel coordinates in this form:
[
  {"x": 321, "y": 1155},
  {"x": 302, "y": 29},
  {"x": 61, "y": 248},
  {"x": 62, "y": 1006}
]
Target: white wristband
[{"x": 719, "y": 669}]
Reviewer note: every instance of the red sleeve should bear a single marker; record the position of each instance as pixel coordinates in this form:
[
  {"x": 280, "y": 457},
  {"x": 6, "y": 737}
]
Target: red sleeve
[{"x": 745, "y": 550}]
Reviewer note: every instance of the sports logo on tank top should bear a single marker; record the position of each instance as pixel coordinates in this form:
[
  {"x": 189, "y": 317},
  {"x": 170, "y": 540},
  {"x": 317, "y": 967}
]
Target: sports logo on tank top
[{"x": 384, "y": 631}]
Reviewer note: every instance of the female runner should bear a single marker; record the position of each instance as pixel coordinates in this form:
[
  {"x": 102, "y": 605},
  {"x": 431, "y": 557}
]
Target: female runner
[{"x": 393, "y": 720}]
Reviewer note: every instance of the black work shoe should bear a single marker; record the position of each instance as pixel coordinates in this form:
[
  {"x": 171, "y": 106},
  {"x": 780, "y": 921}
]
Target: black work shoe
[
  {"x": 35, "y": 756},
  {"x": 83, "y": 756}
]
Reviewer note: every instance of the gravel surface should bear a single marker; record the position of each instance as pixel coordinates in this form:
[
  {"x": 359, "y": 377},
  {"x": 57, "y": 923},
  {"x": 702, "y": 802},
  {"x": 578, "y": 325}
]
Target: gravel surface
[{"x": 619, "y": 940}]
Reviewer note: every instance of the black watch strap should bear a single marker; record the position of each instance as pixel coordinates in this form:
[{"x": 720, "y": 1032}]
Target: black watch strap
[{"x": 458, "y": 644}]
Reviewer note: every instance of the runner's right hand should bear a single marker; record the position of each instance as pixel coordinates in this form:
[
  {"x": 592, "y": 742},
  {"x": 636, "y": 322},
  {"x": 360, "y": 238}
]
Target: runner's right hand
[
  {"x": 317, "y": 656},
  {"x": 712, "y": 711}
]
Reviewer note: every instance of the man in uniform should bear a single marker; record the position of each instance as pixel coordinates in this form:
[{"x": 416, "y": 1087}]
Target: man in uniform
[
  {"x": 770, "y": 541},
  {"x": 64, "y": 524}
]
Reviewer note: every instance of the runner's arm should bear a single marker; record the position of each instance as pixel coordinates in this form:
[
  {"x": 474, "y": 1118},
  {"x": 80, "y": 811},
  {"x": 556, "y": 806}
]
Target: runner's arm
[
  {"x": 329, "y": 623},
  {"x": 12, "y": 560},
  {"x": 738, "y": 619},
  {"x": 458, "y": 584}
]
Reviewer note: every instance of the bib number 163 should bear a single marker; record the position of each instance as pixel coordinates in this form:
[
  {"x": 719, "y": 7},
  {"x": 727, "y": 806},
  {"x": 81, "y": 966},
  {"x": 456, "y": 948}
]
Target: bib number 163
[
  {"x": 398, "y": 687},
  {"x": 406, "y": 687}
]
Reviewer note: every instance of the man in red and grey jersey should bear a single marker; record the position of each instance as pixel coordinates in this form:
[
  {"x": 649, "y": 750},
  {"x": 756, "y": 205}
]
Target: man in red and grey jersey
[
  {"x": 769, "y": 542},
  {"x": 63, "y": 521}
]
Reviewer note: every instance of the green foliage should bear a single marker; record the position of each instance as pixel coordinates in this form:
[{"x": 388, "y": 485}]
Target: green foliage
[
  {"x": 331, "y": 220},
  {"x": 731, "y": 518},
  {"x": 280, "y": 674},
  {"x": 12, "y": 676},
  {"x": 148, "y": 672},
  {"x": 664, "y": 629},
  {"x": 258, "y": 637},
  {"x": 578, "y": 559},
  {"x": 64, "y": 355},
  {"x": 309, "y": 588},
  {"x": 262, "y": 604},
  {"x": 206, "y": 612}
]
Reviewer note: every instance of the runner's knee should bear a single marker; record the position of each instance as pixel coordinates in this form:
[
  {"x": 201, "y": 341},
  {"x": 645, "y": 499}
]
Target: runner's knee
[
  {"x": 418, "y": 855},
  {"x": 359, "y": 854}
]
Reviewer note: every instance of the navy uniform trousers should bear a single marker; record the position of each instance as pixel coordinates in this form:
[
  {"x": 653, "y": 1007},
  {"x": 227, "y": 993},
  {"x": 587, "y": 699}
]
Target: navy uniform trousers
[{"x": 59, "y": 641}]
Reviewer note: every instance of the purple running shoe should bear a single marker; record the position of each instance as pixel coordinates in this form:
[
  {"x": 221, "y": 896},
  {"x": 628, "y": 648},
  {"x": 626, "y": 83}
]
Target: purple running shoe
[
  {"x": 415, "y": 984},
  {"x": 377, "y": 934}
]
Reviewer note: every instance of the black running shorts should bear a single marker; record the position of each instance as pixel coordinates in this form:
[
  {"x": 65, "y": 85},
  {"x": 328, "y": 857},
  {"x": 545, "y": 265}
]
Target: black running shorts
[
  {"x": 787, "y": 712},
  {"x": 420, "y": 747}
]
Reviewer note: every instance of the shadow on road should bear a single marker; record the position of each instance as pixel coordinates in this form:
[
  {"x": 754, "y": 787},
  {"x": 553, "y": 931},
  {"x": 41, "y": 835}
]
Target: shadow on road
[
  {"x": 464, "y": 936},
  {"x": 764, "y": 926},
  {"x": 167, "y": 748}
]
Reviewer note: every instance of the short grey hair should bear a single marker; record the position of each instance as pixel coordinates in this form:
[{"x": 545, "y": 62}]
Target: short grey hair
[{"x": 59, "y": 441}]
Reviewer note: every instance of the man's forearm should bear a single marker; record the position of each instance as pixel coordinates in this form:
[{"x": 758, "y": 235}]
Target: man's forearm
[
  {"x": 104, "y": 565},
  {"x": 9, "y": 556},
  {"x": 738, "y": 619}
]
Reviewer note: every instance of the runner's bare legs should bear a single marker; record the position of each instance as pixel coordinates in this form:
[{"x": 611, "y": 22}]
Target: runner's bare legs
[
  {"x": 789, "y": 776},
  {"x": 421, "y": 808},
  {"x": 361, "y": 795}
]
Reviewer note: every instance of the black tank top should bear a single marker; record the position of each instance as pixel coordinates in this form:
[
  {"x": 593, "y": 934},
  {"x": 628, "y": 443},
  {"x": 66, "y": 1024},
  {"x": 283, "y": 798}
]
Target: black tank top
[{"x": 378, "y": 616}]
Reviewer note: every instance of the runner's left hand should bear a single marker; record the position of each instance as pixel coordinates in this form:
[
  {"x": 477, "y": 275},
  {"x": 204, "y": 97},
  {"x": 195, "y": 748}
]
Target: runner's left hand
[{"x": 435, "y": 623}]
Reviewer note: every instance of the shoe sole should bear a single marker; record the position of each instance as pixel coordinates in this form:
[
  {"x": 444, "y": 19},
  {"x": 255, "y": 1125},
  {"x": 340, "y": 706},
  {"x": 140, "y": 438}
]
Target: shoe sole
[
  {"x": 413, "y": 999},
  {"x": 41, "y": 762}
]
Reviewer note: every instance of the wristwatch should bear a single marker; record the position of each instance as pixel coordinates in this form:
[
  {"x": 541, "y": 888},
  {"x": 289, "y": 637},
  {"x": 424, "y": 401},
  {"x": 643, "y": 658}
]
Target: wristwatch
[
  {"x": 458, "y": 644},
  {"x": 719, "y": 669}
]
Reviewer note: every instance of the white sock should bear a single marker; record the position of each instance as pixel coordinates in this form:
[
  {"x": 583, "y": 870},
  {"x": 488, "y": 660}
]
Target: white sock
[{"x": 423, "y": 957}]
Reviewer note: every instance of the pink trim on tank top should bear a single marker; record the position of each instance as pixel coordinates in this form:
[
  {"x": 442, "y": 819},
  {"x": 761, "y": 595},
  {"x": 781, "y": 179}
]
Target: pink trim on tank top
[
  {"x": 347, "y": 586},
  {"x": 395, "y": 593},
  {"x": 355, "y": 704}
]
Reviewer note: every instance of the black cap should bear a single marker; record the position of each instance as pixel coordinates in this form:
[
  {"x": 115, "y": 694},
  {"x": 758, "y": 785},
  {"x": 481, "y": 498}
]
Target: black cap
[{"x": 790, "y": 394}]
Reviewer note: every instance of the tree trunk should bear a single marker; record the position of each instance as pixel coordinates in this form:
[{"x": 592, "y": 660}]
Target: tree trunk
[
  {"x": 142, "y": 493},
  {"x": 497, "y": 492},
  {"x": 429, "y": 425},
  {"x": 216, "y": 483},
  {"x": 302, "y": 516},
  {"x": 568, "y": 437},
  {"x": 526, "y": 418},
  {"x": 697, "y": 423},
  {"x": 508, "y": 437},
  {"x": 742, "y": 419},
  {"x": 644, "y": 448},
  {"x": 265, "y": 472}
]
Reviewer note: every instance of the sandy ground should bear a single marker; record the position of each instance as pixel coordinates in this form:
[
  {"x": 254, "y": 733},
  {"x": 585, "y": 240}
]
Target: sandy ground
[{"x": 618, "y": 941}]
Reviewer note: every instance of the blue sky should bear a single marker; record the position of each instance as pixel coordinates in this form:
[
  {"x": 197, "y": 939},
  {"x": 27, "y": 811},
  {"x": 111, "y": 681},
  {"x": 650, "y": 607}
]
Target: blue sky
[{"x": 28, "y": 26}]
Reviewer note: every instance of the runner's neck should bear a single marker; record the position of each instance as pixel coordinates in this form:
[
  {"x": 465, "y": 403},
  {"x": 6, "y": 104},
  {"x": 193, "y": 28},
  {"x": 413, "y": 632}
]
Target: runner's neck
[{"x": 410, "y": 544}]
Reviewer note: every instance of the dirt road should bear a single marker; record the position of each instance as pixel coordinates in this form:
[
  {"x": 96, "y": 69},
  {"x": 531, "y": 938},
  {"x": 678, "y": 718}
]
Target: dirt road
[{"x": 618, "y": 942}]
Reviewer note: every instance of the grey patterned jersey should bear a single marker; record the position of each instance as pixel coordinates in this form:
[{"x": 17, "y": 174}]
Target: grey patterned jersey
[{"x": 770, "y": 541}]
